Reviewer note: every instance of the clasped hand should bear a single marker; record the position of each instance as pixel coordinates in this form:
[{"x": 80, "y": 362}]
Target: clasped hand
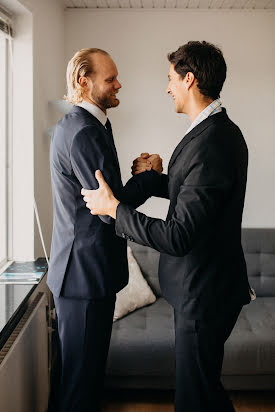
[{"x": 147, "y": 162}]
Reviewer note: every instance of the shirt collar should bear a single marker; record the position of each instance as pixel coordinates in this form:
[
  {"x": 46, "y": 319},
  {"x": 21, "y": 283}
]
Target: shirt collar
[
  {"x": 94, "y": 110},
  {"x": 212, "y": 108}
]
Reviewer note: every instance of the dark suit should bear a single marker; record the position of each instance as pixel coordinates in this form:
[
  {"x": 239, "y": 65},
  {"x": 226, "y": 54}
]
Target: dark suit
[
  {"x": 202, "y": 268},
  {"x": 88, "y": 262}
]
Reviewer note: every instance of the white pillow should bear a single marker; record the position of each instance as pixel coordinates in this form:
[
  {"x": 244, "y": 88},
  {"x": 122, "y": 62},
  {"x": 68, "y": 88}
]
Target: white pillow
[{"x": 136, "y": 294}]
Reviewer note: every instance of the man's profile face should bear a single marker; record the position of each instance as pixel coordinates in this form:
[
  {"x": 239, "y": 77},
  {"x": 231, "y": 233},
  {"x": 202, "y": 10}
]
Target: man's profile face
[
  {"x": 177, "y": 89},
  {"x": 103, "y": 84}
]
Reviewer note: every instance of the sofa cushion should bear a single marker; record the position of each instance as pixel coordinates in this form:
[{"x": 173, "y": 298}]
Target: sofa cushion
[
  {"x": 142, "y": 342},
  {"x": 259, "y": 250},
  {"x": 250, "y": 350}
]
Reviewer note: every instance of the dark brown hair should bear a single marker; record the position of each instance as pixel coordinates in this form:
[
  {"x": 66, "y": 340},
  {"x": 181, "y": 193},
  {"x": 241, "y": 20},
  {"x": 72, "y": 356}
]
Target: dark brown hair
[{"x": 205, "y": 61}]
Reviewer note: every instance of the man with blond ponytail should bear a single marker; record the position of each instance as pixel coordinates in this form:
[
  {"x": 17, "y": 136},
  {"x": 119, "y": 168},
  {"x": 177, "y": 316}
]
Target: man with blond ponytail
[{"x": 88, "y": 264}]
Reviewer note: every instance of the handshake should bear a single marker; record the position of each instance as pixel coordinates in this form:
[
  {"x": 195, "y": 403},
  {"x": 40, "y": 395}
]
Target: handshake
[{"x": 147, "y": 162}]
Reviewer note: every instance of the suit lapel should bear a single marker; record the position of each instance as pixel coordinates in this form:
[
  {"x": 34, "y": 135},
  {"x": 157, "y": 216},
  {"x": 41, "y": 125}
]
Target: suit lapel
[
  {"x": 194, "y": 133},
  {"x": 180, "y": 146}
]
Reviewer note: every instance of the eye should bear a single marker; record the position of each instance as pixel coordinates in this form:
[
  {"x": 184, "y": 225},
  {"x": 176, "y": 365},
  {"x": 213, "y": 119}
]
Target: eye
[{"x": 110, "y": 80}]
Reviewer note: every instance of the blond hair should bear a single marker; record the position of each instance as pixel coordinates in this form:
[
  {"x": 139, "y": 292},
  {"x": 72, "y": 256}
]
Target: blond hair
[{"x": 81, "y": 64}]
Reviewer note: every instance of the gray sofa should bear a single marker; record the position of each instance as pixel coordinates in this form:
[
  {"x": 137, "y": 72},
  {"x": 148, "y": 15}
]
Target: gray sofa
[{"x": 142, "y": 345}]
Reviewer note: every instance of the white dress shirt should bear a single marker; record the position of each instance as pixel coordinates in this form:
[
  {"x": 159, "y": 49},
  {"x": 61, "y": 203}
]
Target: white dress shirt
[{"x": 94, "y": 110}]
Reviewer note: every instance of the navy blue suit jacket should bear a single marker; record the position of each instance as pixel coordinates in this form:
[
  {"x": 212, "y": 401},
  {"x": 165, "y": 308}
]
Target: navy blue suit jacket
[{"x": 87, "y": 259}]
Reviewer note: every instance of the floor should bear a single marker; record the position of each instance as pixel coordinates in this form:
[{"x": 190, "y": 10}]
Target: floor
[{"x": 146, "y": 401}]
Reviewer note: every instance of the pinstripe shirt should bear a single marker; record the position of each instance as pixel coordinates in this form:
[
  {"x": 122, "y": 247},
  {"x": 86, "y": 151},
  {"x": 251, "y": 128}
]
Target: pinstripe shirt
[{"x": 212, "y": 108}]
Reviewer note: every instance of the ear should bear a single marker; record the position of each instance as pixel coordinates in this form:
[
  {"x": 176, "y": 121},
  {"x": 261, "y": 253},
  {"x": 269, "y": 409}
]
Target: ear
[
  {"x": 83, "y": 81},
  {"x": 189, "y": 79}
]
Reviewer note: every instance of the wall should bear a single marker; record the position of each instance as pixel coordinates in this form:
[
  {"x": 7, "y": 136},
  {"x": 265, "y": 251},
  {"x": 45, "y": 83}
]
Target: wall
[{"x": 139, "y": 41}]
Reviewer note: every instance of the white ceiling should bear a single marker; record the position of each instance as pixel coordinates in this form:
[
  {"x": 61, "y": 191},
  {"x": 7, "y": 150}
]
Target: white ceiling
[{"x": 168, "y": 4}]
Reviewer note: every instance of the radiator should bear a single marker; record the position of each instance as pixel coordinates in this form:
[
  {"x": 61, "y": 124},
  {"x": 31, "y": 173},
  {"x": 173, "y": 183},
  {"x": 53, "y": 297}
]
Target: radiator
[{"x": 24, "y": 362}]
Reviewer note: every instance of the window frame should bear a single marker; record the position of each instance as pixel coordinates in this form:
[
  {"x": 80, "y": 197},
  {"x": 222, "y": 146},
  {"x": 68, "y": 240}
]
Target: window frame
[{"x": 5, "y": 140}]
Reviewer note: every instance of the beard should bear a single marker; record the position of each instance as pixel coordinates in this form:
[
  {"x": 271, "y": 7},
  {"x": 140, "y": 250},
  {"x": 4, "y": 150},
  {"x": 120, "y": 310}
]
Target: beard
[{"x": 105, "y": 100}]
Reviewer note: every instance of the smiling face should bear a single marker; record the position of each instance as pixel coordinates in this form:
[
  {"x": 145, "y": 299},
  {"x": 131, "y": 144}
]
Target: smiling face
[
  {"x": 102, "y": 86},
  {"x": 178, "y": 89}
]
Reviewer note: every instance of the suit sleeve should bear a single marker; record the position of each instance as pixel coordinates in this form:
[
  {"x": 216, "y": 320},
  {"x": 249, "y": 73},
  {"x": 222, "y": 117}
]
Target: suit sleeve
[
  {"x": 202, "y": 196},
  {"x": 89, "y": 153},
  {"x": 161, "y": 190},
  {"x": 142, "y": 186}
]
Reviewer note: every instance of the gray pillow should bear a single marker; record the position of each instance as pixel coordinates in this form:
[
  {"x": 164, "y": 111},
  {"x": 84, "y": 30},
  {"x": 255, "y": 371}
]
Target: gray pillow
[{"x": 136, "y": 294}]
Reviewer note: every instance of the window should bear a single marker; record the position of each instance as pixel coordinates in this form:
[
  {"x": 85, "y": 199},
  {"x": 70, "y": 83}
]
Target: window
[
  {"x": 5, "y": 102},
  {"x": 3, "y": 149}
]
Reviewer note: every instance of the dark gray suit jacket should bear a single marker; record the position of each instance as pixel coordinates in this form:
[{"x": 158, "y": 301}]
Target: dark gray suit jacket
[
  {"x": 87, "y": 259},
  {"x": 202, "y": 267}
]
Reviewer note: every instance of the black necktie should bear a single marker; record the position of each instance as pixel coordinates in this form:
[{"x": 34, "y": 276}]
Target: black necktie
[
  {"x": 112, "y": 143},
  {"x": 108, "y": 127}
]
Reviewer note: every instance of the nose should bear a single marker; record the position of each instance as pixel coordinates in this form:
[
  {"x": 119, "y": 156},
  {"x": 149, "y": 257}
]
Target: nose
[
  {"x": 117, "y": 85},
  {"x": 168, "y": 91}
]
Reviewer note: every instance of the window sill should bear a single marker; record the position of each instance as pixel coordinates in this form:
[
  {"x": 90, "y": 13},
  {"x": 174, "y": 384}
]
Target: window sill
[{"x": 4, "y": 266}]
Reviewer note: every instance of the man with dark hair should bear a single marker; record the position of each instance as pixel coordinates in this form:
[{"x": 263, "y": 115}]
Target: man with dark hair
[
  {"x": 206, "y": 62},
  {"x": 202, "y": 268}
]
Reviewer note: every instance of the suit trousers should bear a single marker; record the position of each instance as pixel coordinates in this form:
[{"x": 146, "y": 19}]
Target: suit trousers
[
  {"x": 84, "y": 329},
  {"x": 199, "y": 358}
]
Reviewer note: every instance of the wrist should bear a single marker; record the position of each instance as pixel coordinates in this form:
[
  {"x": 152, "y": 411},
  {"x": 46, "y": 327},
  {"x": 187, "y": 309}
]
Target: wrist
[
  {"x": 113, "y": 207},
  {"x": 158, "y": 171}
]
